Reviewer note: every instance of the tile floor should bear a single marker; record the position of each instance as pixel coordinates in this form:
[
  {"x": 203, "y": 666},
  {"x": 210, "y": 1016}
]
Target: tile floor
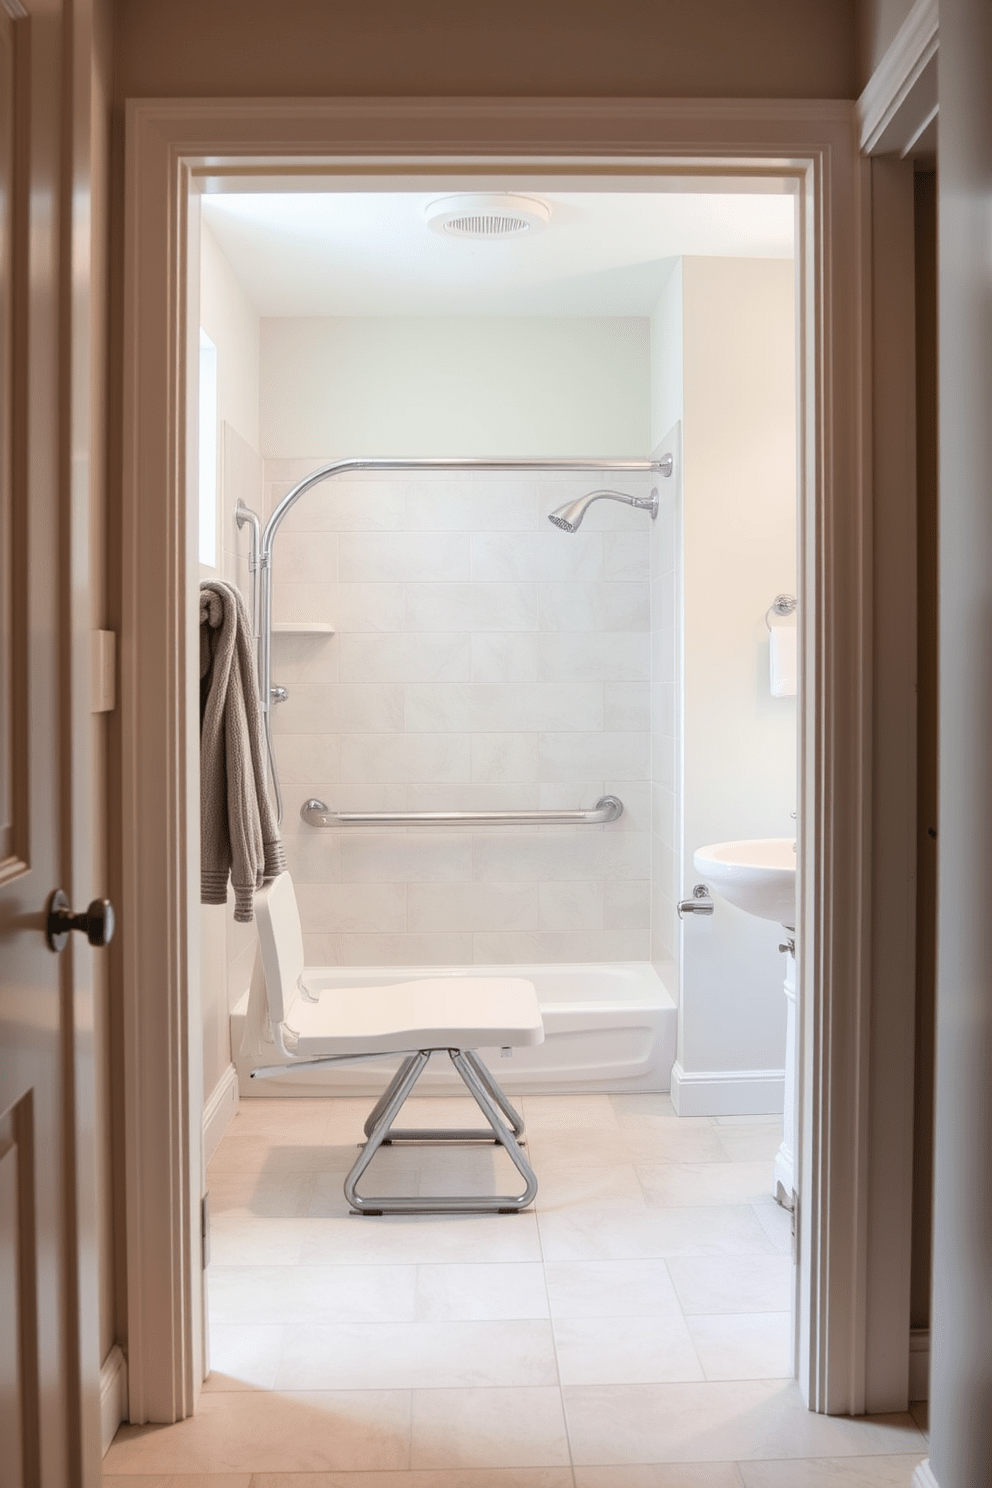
[{"x": 630, "y": 1332}]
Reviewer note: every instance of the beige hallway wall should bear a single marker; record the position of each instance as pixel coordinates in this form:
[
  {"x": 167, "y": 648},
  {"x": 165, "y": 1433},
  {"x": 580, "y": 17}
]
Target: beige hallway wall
[{"x": 520, "y": 48}]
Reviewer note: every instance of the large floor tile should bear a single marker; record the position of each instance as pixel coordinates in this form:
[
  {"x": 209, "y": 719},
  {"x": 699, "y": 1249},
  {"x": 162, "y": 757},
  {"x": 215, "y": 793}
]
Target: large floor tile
[
  {"x": 239, "y": 1432},
  {"x": 744, "y": 1421},
  {"x": 751, "y": 1143},
  {"x": 408, "y": 1239},
  {"x": 570, "y": 1186},
  {"x": 610, "y": 1289},
  {"x": 269, "y": 1153},
  {"x": 627, "y": 1232},
  {"x": 260, "y": 1196},
  {"x": 661, "y": 1475},
  {"x": 625, "y": 1351},
  {"x": 649, "y": 1143},
  {"x": 236, "y": 1240},
  {"x": 777, "y": 1225},
  {"x": 399, "y": 1356},
  {"x": 244, "y": 1356},
  {"x": 481, "y": 1290},
  {"x": 458, "y": 1477},
  {"x": 311, "y": 1294},
  {"x": 722, "y": 1284},
  {"x": 743, "y": 1345},
  {"x": 833, "y": 1472},
  {"x": 677, "y": 1184},
  {"x": 304, "y": 1119},
  {"x": 488, "y": 1428},
  {"x": 543, "y": 1113},
  {"x": 583, "y": 1147}
]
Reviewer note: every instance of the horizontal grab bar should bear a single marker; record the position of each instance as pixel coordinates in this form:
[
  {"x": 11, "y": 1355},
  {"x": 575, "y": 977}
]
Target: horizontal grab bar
[{"x": 318, "y": 814}]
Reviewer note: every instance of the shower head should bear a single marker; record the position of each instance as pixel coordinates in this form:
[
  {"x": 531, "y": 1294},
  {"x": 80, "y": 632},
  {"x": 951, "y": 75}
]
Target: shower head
[{"x": 569, "y": 516}]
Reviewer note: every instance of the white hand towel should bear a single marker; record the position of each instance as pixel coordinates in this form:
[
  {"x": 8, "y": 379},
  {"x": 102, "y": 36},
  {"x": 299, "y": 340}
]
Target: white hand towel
[{"x": 782, "y": 660}]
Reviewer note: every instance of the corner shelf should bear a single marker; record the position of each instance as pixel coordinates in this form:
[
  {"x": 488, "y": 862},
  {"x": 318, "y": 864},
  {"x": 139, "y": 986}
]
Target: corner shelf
[{"x": 302, "y": 627}]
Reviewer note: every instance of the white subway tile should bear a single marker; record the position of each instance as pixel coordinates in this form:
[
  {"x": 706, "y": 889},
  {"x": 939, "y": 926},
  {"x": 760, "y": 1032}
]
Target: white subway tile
[
  {"x": 405, "y": 658},
  {"x": 472, "y": 506},
  {"x": 301, "y": 758},
  {"x": 498, "y": 556},
  {"x": 313, "y": 857},
  {"x": 498, "y": 757},
  {"x": 506, "y": 656},
  {"x": 574, "y": 756},
  {"x": 626, "y": 556},
  {"x": 389, "y": 949},
  {"x": 403, "y": 557},
  {"x": 626, "y": 855},
  {"x": 636, "y": 798},
  {"x": 573, "y": 905},
  {"x": 305, "y": 557},
  {"x": 471, "y": 607},
  {"x": 345, "y": 606},
  {"x": 513, "y": 796},
  {"x": 627, "y": 706},
  {"x": 627, "y": 904},
  {"x": 593, "y": 656},
  {"x": 548, "y": 946},
  {"x": 479, "y": 707},
  {"x": 405, "y": 757},
  {"x": 348, "y": 907},
  {"x": 345, "y": 708},
  {"x": 472, "y": 906},
  {"x": 545, "y": 855},
  {"x": 420, "y": 855},
  {"x": 598, "y": 607},
  {"x": 343, "y": 505}
]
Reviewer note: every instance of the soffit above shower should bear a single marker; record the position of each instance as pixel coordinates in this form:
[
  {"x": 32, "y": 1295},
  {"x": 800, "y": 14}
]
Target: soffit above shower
[{"x": 366, "y": 253}]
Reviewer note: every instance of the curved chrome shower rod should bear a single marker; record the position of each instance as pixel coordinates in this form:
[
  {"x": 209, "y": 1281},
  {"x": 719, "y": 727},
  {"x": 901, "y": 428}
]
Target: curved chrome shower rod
[{"x": 347, "y": 467}]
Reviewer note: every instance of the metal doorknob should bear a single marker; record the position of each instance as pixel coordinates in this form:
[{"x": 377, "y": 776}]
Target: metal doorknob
[{"x": 97, "y": 922}]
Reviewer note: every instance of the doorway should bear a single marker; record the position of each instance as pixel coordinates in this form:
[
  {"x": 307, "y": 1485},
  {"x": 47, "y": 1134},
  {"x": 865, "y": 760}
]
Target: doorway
[{"x": 834, "y": 635}]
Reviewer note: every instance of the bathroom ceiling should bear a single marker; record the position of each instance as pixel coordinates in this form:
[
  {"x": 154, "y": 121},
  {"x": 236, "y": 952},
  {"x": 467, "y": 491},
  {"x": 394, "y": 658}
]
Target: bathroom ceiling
[{"x": 372, "y": 253}]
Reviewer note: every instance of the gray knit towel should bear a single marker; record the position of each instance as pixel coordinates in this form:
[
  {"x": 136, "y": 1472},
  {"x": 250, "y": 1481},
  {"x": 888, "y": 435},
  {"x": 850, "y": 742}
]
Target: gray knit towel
[{"x": 239, "y": 836}]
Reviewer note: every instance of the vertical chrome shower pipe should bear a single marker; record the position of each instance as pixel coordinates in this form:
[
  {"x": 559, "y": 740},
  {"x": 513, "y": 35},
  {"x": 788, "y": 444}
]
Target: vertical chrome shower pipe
[{"x": 346, "y": 467}]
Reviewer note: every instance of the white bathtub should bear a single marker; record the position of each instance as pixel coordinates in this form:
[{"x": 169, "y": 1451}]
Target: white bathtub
[{"x": 607, "y": 1027}]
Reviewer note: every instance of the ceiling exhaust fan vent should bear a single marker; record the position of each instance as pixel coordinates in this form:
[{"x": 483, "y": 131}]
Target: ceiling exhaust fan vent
[{"x": 487, "y": 216}]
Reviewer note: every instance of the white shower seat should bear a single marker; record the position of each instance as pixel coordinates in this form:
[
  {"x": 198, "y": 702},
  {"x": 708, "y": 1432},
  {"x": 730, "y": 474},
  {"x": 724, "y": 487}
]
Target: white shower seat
[{"x": 313, "y": 1026}]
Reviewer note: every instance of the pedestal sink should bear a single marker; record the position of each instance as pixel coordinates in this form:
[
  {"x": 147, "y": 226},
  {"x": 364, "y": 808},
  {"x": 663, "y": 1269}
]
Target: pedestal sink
[{"x": 758, "y": 875}]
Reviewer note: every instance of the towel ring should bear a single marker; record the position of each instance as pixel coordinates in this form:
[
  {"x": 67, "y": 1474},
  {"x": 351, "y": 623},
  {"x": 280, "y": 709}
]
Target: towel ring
[{"x": 782, "y": 604}]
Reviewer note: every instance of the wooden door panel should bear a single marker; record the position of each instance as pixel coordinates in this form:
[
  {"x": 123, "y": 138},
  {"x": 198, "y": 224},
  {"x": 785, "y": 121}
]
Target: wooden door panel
[
  {"x": 40, "y": 1240},
  {"x": 19, "y": 1460}
]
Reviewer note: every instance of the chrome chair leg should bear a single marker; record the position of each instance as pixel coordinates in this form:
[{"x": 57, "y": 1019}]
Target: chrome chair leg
[{"x": 491, "y": 1102}]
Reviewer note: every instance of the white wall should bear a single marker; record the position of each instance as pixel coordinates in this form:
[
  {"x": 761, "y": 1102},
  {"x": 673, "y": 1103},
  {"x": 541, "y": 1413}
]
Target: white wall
[
  {"x": 231, "y": 322},
  {"x": 666, "y": 415},
  {"x": 525, "y": 386},
  {"x": 738, "y": 753}
]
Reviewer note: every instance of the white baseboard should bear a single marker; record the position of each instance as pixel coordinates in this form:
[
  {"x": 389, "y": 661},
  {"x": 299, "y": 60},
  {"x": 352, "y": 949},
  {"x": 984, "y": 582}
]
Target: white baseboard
[
  {"x": 923, "y": 1475},
  {"x": 727, "y": 1092},
  {"x": 113, "y": 1395},
  {"x": 219, "y": 1110},
  {"x": 919, "y": 1364}
]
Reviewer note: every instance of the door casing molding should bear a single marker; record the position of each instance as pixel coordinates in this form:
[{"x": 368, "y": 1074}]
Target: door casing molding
[{"x": 169, "y": 143}]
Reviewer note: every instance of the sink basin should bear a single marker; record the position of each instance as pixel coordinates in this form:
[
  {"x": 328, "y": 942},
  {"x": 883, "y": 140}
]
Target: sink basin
[{"x": 757, "y": 875}]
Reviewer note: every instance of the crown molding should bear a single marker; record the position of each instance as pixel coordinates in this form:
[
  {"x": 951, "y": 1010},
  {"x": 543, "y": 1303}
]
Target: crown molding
[{"x": 899, "y": 103}]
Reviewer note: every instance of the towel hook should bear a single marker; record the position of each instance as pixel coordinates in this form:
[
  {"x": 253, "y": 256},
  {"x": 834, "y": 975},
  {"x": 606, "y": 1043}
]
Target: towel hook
[{"x": 782, "y": 604}]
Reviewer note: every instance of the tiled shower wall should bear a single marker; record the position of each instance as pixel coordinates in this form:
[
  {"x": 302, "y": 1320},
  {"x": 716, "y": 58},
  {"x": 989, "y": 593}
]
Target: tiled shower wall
[
  {"x": 481, "y": 660},
  {"x": 664, "y": 695}
]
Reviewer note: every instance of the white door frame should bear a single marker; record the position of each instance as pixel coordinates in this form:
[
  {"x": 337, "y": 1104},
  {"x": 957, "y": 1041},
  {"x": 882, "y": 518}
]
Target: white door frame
[{"x": 168, "y": 144}]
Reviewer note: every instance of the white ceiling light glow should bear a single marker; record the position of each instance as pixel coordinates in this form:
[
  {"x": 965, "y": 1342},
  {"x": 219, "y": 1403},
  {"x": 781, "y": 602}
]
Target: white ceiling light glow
[{"x": 487, "y": 215}]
